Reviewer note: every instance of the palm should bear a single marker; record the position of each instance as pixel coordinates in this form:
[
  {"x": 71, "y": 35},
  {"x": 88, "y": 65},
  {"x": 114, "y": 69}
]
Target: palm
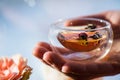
[{"x": 77, "y": 70}]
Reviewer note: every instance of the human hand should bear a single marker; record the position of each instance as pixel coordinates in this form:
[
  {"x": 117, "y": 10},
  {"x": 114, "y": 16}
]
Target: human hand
[
  {"x": 112, "y": 16},
  {"x": 76, "y": 70},
  {"x": 85, "y": 70}
]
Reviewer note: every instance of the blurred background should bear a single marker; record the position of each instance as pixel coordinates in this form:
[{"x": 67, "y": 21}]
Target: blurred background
[{"x": 23, "y": 23}]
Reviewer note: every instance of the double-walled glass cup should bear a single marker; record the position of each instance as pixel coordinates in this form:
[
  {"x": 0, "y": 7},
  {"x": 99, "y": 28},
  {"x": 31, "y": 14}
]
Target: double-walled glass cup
[{"x": 81, "y": 39}]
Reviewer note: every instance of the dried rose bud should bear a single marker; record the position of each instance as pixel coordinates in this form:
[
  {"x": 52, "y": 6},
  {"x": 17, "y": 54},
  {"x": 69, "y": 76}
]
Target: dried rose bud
[
  {"x": 91, "y": 26},
  {"x": 96, "y": 36},
  {"x": 83, "y": 36}
]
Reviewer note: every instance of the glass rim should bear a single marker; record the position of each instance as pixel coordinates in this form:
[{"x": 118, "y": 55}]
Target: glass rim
[{"x": 56, "y": 24}]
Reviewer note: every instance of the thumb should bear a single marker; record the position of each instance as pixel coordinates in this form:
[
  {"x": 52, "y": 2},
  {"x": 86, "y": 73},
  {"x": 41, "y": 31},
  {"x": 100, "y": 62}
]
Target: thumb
[{"x": 77, "y": 21}]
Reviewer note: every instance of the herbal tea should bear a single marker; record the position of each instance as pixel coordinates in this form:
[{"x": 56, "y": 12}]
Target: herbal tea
[
  {"x": 79, "y": 41},
  {"x": 88, "y": 38}
]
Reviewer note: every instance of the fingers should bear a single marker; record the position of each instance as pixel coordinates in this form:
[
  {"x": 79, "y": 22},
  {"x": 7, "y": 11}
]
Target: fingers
[
  {"x": 74, "y": 68},
  {"x": 50, "y": 47},
  {"x": 104, "y": 69},
  {"x": 44, "y": 52},
  {"x": 116, "y": 67},
  {"x": 39, "y": 52},
  {"x": 40, "y": 49},
  {"x": 78, "y": 21},
  {"x": 101, "y": 15},
  {"x": 44, "y": 44},
  {"x": 63, "y": 50},
  {"x": 91, "y": 69},
  {"x": 53, "y": 59}
]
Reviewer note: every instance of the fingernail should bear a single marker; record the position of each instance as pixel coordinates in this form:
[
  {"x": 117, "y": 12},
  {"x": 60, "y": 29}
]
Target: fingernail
[{"x": 64, "y": 69}]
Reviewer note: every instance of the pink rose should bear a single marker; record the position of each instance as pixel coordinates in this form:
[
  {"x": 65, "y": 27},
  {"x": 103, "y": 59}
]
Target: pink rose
[{"x": 14, "y": 68}]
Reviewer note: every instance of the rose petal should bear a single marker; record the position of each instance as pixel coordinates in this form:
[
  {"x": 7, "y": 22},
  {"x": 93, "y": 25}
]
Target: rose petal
[
  {"x": 10, "y": 62},
  {"x": 14, "y": 69},
  {"x": 6, "y": 73},
  {"x": 12, "y": 76},
  {"x": 5, "y": 63},
  {"x": 20, "y": 61},
  {"x": 22, "y": 64}
]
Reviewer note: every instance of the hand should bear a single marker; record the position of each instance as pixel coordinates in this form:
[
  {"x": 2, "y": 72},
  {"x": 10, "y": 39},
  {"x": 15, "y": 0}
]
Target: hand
[
  {"x": 112, "y": 16},
  {"x": 84, "y": 70}
]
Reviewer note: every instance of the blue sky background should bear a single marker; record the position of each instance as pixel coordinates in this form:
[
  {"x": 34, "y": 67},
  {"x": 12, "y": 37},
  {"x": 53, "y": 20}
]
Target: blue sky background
[{"x": 23, "y": 23}]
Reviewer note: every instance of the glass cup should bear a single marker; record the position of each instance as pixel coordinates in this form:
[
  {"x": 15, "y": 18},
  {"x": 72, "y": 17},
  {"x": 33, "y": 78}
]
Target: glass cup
[{"x": 82, "y": 39}]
